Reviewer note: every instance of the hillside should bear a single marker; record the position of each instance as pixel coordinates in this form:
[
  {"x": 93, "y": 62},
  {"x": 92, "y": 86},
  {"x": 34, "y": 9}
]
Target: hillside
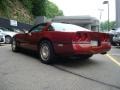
[
  {"x": 26, "y": 10},
  {"x": 14, "y": 9}
]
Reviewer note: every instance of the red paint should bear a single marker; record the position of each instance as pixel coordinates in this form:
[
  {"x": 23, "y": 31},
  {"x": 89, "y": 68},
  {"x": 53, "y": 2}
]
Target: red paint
[{"x": 73, "y": 42}]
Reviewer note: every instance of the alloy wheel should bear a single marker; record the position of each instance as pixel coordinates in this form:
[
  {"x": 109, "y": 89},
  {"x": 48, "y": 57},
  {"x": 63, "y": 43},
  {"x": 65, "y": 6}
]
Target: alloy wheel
[{"x": 45, "y": 52}]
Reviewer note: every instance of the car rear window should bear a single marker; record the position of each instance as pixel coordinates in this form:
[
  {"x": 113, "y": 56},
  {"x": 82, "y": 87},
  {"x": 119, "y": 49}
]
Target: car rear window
[{"x": 67, "y": 27}]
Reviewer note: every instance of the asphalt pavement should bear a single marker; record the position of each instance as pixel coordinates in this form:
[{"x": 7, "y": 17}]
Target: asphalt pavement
[{"x": 24, "y": 71}]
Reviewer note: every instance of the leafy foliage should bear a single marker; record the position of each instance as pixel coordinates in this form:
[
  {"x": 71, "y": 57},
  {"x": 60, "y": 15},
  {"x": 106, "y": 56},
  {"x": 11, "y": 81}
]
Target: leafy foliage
[
  {"x": 42, "y": 8},
  {"x": 52, "y": 10},
  {"x": 28, "y": 4},
  {"x": 26, "y": 10},
  {"x": 39, "y": 7},
  {"x": 4, "y": 6},
  {"x": 45, "y": 8},
  {"x": 104, "y": 25}
]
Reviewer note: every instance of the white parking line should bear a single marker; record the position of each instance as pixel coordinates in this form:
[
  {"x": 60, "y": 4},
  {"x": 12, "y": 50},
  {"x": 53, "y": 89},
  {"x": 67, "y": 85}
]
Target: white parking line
[{"x": 112, "y": 59}]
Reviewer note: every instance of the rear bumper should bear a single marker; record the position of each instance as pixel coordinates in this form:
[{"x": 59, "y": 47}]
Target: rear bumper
[
  {"x": 90, "y": 49},
  {"x": 76, "y": 49}
]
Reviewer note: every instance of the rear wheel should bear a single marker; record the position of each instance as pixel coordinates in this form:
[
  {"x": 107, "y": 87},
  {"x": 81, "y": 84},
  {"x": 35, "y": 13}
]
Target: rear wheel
[
  {"x": 46, "y": 52},
  {"x": 14, "y": 45}
]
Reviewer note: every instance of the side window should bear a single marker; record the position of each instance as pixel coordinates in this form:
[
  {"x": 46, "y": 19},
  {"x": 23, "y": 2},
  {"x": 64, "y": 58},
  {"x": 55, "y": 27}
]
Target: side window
[{"x": 38, "y": 28}]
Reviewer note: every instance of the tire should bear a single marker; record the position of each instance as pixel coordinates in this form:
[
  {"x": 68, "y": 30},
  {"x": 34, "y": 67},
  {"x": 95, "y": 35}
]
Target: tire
[
  {"x": 85, "y": 56},
  {"x": 8, "y": 39},
  {"x": 14, "y": 45},
  {"x": 46, "y": 52}
]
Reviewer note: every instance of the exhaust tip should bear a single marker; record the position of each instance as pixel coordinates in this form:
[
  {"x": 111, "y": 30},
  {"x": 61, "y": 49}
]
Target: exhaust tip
[{"x": 104, "y": 53}]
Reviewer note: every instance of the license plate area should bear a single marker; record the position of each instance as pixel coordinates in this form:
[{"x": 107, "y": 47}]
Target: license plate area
[{"x": 94, "y": 43}]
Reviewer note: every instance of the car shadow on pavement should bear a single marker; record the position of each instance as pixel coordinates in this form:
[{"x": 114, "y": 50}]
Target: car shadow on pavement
[
  {"x": 76, "y": 62},
  {"x": 1, "y": 45},
  {"x": 29, "y": 53},
  {"x": 68, "y": 62}
]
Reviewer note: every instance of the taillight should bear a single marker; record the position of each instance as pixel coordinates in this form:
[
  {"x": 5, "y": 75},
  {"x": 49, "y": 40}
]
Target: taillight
[
  {"x": 84, "y": 36},
  {"x": 106, "y": 38},
  {"x": 80, "y": 37},
  {"x": 77, "y": 38}
]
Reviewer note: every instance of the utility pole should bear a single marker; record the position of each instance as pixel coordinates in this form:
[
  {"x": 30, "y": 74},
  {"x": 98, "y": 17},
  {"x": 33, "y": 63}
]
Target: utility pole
[{"x": 107, "y": 2}]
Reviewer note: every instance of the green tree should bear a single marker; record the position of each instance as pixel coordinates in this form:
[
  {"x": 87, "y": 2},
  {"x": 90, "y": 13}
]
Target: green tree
[
  {"x": 33, "y": 8},
  {"x": 28, "y": 4},
  {"x": 5, "y": 7},
  {"x": 104, "y": 25},
  {"x": 45, "y": 8},
  {"x": 52, "y": 10},
  {"x": 112, "y": 24},
  {"x": 39, "y": 7}
]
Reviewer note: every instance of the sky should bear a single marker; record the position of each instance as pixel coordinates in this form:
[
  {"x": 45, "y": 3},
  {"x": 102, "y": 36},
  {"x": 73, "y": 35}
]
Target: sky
[{"x": 87, "y": 7}]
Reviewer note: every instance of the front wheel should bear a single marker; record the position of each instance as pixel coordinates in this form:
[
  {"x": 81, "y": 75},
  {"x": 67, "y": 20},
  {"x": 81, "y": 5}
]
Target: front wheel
[
  {"x": 14, "y": 45},
  {"x": 46, "y": 52}
]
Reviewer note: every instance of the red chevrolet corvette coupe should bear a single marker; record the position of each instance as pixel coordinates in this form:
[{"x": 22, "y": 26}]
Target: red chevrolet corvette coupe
[{"x": 60, "y": 39}]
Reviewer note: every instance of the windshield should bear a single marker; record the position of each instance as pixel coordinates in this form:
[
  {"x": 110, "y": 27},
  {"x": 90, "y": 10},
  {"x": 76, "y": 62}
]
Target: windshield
[
  {"x": 67, "y": 27},
  {"x": 3, "y": 29}
]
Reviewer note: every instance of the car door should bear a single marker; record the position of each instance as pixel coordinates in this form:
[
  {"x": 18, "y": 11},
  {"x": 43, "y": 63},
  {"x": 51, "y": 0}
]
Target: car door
[{"x": 34, "y": 35}]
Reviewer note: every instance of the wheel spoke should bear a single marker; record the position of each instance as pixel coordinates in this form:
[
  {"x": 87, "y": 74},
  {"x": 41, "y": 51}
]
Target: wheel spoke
[
  {"x": 7, "y": 40},
  {"x": 44, "y": 52}
]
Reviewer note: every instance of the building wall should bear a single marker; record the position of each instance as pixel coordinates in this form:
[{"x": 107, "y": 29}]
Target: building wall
[{"x": 117, "y": 13}]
